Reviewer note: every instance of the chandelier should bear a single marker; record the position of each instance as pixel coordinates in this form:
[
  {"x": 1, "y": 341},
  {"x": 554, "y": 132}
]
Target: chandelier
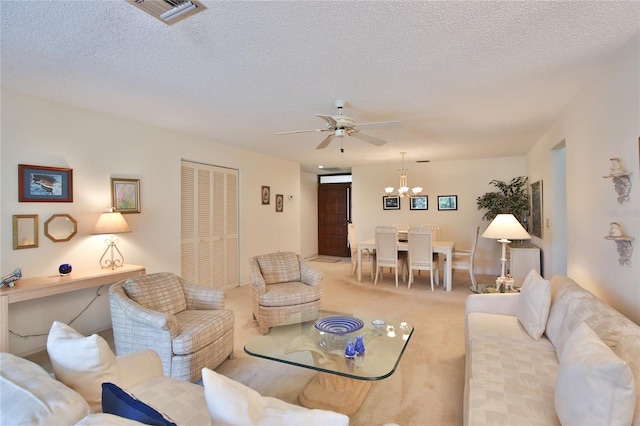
[{"x": 403, "y": 189}]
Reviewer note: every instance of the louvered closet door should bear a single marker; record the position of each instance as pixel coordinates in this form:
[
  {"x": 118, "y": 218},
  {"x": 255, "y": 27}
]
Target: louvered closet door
[{"x": 210, "y": 225}]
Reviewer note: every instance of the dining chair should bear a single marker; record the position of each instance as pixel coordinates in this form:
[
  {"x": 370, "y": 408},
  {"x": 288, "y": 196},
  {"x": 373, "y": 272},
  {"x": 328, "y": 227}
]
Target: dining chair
[
  {"x": 435, "y": 231},
  {"x": 463, "y": 259},
  {"x": 387, "y": 252},
  {"x": 353, "y": 245},
  {"x": 421, "y": 258},
  {"x": 402, "y": 229}
]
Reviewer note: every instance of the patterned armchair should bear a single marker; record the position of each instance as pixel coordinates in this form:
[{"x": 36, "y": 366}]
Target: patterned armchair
[
  {"x": 186, "y": 324},
  {"x": 284, "y": 289}
]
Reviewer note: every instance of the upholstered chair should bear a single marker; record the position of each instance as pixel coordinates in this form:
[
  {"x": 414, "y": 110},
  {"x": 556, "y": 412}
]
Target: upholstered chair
[
  {"x": 285, "y": 289},
  {"x": 186, "y": 324}
]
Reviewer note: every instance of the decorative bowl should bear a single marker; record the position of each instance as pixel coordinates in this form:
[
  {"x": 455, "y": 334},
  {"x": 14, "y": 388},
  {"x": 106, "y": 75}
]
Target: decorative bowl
[
  {"x": 339, "y": 325},
  {"x": 377, "y": 323}
]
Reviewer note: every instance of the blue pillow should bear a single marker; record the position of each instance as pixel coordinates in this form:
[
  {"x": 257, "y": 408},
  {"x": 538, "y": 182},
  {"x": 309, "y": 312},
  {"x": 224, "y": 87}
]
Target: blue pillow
[{"x": 121, "y": 403}]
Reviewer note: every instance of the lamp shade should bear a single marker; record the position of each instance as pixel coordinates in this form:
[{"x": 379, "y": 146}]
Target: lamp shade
[
  {"x": 111, "y": 223},
  {"x": 506, "y": 226}
]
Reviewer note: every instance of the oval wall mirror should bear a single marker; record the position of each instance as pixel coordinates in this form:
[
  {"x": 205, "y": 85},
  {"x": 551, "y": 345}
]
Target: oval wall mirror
[{"x": 60, "y": 227}]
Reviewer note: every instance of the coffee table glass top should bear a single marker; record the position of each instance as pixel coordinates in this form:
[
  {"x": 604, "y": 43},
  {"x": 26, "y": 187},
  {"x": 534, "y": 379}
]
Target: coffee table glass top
[{"x": 306, "y": 345}]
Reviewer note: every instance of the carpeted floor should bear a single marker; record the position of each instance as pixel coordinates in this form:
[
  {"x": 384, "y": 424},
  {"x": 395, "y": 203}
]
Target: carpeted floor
[{"x": 426, "y": 388}]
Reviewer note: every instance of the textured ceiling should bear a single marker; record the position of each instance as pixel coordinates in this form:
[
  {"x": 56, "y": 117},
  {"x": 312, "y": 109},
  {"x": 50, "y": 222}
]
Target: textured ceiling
[{"x": 466, "y": 79}]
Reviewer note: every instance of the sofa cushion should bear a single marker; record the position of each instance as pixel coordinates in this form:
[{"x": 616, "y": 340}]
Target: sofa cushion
[
  {"x": 231, "y": 402},
  {"x": 493, "y": 403},
  {"x": 180, "y": 400},
  {"x": 628, "y": 350},
  {"x": 160, "y": 292},
  {"x": 121, "y": 403},
  {"x": 279, "y": 267},
  {"x": 30, "y": 396},
  {"x": 534, "y": 303},
  {"x": 594, "y": 386},
  {"x": 496, "y": 327},
  {"x": 82, "y": 363},
  {"x": 288, "y": 294}
]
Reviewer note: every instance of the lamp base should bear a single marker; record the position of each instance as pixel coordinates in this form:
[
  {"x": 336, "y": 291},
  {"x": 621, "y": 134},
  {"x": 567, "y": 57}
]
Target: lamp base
[{"x": 114, "y": 262}]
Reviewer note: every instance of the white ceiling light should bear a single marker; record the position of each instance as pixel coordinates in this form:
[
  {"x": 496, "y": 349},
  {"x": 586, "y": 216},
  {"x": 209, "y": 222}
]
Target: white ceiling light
[{"x": 403, "y": 189}]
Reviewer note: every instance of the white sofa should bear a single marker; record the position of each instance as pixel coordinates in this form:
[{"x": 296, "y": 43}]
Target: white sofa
[
  {"x": 583, "y": 369},
  {"x": 31, "y": 396}
]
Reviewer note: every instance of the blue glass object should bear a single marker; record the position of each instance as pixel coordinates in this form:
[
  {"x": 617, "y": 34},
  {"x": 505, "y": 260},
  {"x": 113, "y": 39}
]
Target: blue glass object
[
  {"x": 350, "y": 350},
  {"x": 359, "y": 345},
  {"x": 65, "y": 269}
]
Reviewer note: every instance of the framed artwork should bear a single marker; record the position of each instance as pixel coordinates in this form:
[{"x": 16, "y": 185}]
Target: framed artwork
[
  {"x": 447, "y": 202},
  {"x": 419, "y": 203},
  {"x": 41, "y": 183},
  {"x": 390, "y": 203},
  {"x": 25, "y": 231},
  {"x": 265, "y": 193},
  {"x": 279, "y": 202},
  {"x": 536, "y": 209},
  {"x": 125, "y": 195}
]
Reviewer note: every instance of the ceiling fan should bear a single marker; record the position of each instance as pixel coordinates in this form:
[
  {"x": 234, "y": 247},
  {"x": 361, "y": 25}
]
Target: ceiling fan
[{"x": 341, "y": 125}]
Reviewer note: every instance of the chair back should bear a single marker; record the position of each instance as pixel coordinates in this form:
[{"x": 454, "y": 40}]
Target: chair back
[
  {"x": 475, "y": 243},
  {"x": 435, "y": 231},
  {"x": 351, "y": 237},
  {"x": 386, "y": 246},
  {"x": 420, "y": 242}
]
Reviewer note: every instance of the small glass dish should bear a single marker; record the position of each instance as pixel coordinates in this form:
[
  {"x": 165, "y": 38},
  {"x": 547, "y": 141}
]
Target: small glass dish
[{"x": 377, "y": 323}]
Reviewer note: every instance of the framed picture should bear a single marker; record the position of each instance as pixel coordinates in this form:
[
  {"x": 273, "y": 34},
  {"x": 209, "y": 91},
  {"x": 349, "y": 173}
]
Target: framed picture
[
  {"x": 390, "y": 203},
  {"x": 41, "y": 183},
  {"x": 536, "y": 209},
  {"x": 419, "y": 203},
  {"x": 25, "y": 231},
  {"x": 279, "y": 202},
  {"x": 447, "y": 202},
  {"x": 125, "y": 195},
  {"x": 265, "y": 193}
]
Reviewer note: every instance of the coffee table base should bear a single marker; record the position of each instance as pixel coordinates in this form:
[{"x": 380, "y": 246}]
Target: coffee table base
[{"x": 336, "y": 393}]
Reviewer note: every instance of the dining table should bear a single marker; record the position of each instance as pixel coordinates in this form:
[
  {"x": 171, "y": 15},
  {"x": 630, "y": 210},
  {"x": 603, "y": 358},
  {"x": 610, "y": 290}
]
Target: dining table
[{"x": 441, "y": 246}]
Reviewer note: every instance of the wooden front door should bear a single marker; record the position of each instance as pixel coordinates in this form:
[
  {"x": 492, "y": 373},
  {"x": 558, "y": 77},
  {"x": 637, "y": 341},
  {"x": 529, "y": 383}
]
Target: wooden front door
[{"x": 334, "y": 207}]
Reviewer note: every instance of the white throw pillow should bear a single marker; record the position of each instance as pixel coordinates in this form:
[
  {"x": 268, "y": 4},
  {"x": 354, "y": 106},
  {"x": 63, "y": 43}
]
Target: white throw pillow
[
  {"x": 594, "y": 386},
  {"x": 534, "y": 303},
  {"x": 82, "y": 363},
  {"x": 232, "y": 403}
]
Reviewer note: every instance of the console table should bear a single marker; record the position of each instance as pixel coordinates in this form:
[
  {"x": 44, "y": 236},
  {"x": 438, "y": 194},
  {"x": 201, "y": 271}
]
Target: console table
[{"x": 39, "y": 287}]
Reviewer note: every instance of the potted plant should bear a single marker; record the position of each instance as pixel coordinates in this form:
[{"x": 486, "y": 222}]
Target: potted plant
[{"x": 511, "y": 198}]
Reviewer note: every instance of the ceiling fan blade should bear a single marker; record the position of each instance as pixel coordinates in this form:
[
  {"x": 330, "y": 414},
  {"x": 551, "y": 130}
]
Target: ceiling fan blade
[
  {"x": 326, "y": 141},
  {"x": 329, "y": 119},
  {"x": 380, "y": 125},
  {"x": 302, "y": 131},
  {"x": 368, "y": 138}
]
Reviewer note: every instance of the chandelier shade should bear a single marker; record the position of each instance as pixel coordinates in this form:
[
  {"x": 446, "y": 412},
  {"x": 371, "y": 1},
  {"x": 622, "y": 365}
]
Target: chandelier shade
[{"x": 403, "y": 188}]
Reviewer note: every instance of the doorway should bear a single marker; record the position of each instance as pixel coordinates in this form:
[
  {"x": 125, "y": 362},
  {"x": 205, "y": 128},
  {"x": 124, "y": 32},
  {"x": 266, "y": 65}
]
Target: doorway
[{"x": 334, "y": 214}]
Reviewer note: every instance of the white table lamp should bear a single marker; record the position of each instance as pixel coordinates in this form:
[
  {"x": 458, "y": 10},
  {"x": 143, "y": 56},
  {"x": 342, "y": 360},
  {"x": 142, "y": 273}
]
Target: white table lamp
[
  {"x": 504, "y": 228},
  {"x": 111, "y": 222}
]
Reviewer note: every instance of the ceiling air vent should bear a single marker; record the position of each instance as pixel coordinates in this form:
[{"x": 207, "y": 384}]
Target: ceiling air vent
[{"x": 168, "y": 11}]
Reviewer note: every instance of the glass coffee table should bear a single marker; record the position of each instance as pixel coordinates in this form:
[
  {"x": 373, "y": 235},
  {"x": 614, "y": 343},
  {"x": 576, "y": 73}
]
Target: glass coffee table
[{"x": 342, "y": 382}]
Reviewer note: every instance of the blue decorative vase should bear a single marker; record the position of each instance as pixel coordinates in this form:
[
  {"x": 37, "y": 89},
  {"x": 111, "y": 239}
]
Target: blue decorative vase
[
  {"x": 359, "y": 346},
  {"x": 350, "y": 350},
  {"x": 64, "y": 269}
]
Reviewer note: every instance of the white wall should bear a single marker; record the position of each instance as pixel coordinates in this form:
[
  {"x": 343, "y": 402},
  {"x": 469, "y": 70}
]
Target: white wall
[
  {"x": 98, "y": 147},
  {"x": 468, "y": 179},
  {"x": 602, "y": 123}
]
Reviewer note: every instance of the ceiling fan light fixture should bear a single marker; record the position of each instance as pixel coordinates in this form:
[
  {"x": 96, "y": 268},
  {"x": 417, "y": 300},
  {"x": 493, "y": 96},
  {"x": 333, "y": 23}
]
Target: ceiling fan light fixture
[{"x": 339, "y": 133}]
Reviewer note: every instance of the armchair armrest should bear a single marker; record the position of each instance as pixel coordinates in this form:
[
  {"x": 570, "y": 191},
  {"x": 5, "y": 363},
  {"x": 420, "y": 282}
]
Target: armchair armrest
[
  {"x": 501, "y": 303},
  {"x": 257, "y": 280},
  {"x": 138, "y": 367},
  {"x": 202, "y": 297},
  {"x": 309, "y": 275},
  {"x": 138, "y": 313}
]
